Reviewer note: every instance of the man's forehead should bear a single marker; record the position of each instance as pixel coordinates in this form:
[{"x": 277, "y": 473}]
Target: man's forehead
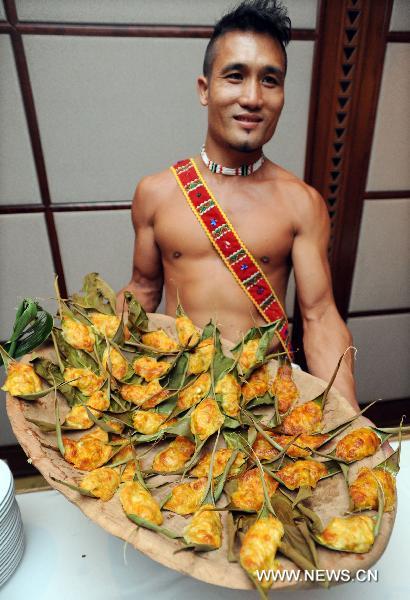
[{"x": 244, "y": 47}]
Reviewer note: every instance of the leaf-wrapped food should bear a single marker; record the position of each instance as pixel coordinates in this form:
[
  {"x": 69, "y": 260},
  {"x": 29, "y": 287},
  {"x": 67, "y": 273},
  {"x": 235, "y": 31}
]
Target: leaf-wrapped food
[
  {"x": 102, "y": 482},
  {"x": 205, "y": 529},
  {"x": 249, "y": 494},
  {"x": 136, "y": 500},
  {"x": 206, "y": 418},
  {"x": 174, "y": 456}
]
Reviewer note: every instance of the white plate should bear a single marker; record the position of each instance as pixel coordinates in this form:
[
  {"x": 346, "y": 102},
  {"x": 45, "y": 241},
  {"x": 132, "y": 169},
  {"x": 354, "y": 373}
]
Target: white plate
[
  {"x": 6, "y": 575},
  {"x": 9, "y": 559},
  {"x": 8, "y": 553},
  {"x": 9, "y": 525},
  {"x": 6, "y": 482},
  {"x": 10, "y": 540},
  {"x": 6, "y": 504}
]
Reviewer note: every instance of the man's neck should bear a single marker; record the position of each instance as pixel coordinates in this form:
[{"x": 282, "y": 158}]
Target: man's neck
[{"x": 229, "y": 157}]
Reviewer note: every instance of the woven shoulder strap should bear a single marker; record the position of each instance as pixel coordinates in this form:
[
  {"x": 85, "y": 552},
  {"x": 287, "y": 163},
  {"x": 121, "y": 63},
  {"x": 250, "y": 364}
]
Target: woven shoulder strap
[{"x": 230, "y": 247}]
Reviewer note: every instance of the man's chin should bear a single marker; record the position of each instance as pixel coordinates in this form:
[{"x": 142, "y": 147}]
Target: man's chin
[{"x": 246, "y": 147}]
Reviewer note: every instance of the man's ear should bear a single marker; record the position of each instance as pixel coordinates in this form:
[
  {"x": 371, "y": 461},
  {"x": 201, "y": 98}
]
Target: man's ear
[{"x": 202, "y": 86}]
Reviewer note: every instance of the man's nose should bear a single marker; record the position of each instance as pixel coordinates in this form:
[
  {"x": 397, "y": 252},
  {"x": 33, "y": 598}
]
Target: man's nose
[{"x": 251, "y": 96}]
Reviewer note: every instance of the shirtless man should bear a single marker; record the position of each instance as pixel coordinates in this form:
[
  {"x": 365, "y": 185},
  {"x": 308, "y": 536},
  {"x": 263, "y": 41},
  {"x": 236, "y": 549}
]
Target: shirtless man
[{"x": 281, "y": 219}]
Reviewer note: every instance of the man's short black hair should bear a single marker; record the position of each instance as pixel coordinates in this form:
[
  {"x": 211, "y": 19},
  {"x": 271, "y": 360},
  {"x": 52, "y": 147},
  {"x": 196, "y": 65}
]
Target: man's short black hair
[{"x": 259, "y": 16}]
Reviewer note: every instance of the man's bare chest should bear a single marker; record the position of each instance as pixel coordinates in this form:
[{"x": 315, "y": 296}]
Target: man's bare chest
[{"x": 264, "y": 227}]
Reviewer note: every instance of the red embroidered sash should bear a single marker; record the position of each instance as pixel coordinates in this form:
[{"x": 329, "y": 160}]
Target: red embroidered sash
[{"x": 229, "y": 246}]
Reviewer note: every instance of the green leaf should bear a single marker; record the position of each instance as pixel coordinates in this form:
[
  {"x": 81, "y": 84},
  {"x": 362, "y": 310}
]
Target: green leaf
[
  {"x": 219, "y": 482},
  {"x": 98, "y": 295},
  {"x": 153, "y": 527},
  {"x": 60, "y": 442},
  {"x": 75, "y": 488},
  {"x": 321, "y": 399},
  {"x": 51, "y": 373},
  {"x": 177, "y": 375},
  {"x": 80, "y": 359},
  {"x": 266, "y": 399},
  {"x": 137, "y": 317},
  {"x": 231, "y": 423}
]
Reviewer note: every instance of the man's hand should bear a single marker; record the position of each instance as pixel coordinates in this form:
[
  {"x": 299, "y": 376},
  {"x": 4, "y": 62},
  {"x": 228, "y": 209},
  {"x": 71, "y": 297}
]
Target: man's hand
[{"x": 325, "y": 335}]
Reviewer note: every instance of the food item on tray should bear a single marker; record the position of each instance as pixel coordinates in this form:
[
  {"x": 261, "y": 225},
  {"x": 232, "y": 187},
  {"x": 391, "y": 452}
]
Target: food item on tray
[
  {"x": 364, "y": 490},
  {"x": 283, "y": 387},
  {"x": 21, "y": 379},
  {"x": 349, "y": 534},
  {"x": 302, "y": 472},
  {"x": 259, "y": 547},
  {"x": 130, "y": 386},
  {"x": 357, "y": 444},
  {"x": 174, "y": 456},
  {"x": 205, "y": 528}
]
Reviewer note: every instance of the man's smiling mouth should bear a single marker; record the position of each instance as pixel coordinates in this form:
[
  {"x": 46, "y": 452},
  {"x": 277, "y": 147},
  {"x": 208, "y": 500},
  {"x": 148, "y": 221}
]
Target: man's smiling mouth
[{"x": 248, "y": 118}]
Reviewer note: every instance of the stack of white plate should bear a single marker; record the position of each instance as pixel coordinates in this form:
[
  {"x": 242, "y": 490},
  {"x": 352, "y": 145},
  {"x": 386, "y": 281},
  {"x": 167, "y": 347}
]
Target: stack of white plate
[{"x": 11, "y": 526}]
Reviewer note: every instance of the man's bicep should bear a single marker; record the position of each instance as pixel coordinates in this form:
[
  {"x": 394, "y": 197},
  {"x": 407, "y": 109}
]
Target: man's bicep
[
  {"x": 147, "y": 264},
  {"x": 310, "y": 261}
]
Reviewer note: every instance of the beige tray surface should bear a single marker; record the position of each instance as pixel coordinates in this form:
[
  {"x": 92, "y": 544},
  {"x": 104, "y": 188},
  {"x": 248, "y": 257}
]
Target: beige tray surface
[{"x": 329, "y": 499}]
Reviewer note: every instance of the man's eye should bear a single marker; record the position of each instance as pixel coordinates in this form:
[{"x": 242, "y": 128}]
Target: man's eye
[
  {"x": 270, "y": 80},
  {"x": 236, "y": 76}
]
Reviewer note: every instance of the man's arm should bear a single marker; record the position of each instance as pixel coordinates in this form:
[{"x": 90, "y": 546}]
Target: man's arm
[
  {"x": 325, "y": 335},
  {"x": 147, "y": 276}
]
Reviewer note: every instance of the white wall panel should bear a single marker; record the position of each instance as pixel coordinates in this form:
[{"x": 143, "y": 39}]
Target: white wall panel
[
  {"x": 289, "y": 142},
  {"x": 2, "y": 13},
  {"x": 382, "y": 272},
  {"x": 390, "y": 156},
  {"x": 113, "y": 110},
  {"x": 100, "y": 241},
  {"x": 164, "y": 12},
  {"x": 26, "y": 267},
  {"x": 18, "y": 183},
  {"x": 382, "y": 365},
  {"x": 400, "y": 18}
]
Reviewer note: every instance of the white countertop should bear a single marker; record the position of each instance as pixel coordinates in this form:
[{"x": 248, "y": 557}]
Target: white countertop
[{"x": 67, "y": 556}]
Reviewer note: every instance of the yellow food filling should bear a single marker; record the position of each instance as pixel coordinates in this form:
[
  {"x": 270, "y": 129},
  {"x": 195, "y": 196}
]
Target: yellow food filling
[
  {"x": 230, "y": 390},
  {"x": 160, "y": 340},
  {"x": 200, "y": 360},
  {"x": 85, "y": 380},
  {"x": 147, "y": 422},
  {"x": 302, "y": 472},
  {"x": 186, "y": 497},
  {"x": 21, "y": 380},
  {"x": 221, "y": 457},
  {"x": 205, "y": 528},
  {"x": 206, "y": 418},
  {"x": 138, "y": 394},
  {"x": 102, "y": 483},
  {"x": 358, "y": 444},
  {"x": 364, "y": 490},
  {"x": 306, "y": 418},
  {"x": 174, "y": 457},
  {"x": 193, "y": 393},
  {"x": 284, "y": 388},
  {"x": 259, "y": 547},
  {"x": 188, "y": 335},
  {"x": 115, "y": 363},
  {"x": 77, "y": 334},
  {"x": 149, "y": 368},
  {"x": 349, "y": 534},
  {"x": 136, "y": 500},
  {"x": 249, "y": 493}
]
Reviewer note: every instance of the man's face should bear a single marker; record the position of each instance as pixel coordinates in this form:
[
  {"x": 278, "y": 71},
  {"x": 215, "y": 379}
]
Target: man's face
[{"x": 244, "y": 91}]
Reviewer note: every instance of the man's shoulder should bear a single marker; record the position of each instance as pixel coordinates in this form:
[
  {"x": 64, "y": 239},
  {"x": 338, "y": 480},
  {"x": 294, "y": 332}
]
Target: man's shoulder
[
  {"x": 295, "y": 189},
  {"x": 156, "y": 184}
]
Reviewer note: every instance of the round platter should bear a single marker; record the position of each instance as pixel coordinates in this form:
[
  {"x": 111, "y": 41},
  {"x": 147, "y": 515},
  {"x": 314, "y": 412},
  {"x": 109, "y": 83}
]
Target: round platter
[{"x": 329, "y": 499}]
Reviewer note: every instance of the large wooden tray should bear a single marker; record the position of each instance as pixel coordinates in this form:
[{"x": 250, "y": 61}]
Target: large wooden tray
[{"x": 329, "y": 499}]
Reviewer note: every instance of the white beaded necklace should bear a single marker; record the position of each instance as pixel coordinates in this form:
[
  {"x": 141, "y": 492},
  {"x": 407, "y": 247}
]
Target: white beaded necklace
[{"x": 243, "y": 170}]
